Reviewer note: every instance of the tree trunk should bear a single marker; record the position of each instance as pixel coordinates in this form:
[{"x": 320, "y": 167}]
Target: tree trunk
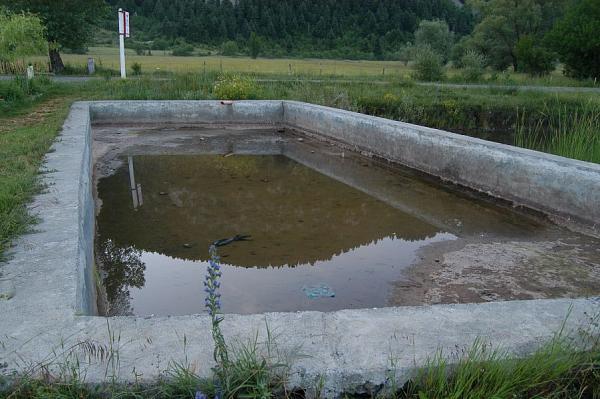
[{"x": 56, "y": 63}]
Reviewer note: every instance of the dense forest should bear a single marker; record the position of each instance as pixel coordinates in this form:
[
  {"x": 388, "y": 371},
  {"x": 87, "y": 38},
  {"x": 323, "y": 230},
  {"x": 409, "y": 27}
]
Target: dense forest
[{"x": 332, "y": 28}]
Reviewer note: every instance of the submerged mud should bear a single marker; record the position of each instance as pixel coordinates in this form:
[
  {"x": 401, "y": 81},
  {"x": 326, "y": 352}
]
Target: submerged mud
[{"x": 322, "y": 219}]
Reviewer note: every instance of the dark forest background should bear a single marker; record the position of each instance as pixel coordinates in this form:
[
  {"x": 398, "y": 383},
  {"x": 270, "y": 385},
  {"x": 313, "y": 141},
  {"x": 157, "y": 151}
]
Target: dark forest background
[{"x": 304, "y": 28}]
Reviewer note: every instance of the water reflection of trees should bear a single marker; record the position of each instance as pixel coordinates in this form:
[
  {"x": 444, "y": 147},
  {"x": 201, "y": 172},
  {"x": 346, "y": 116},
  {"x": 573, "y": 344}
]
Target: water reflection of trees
[
  {"x": 294, "y": 214},
  {"x": 123, "y": 268}
]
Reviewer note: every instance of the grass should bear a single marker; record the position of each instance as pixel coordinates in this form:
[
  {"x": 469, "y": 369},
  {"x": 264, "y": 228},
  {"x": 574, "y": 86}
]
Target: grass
[
  {"x": 23, "y": 143},
  {"x": 107, "y": 59},
  {"x": 574, "y": 134},
  {"x": 556, "y": 370}
]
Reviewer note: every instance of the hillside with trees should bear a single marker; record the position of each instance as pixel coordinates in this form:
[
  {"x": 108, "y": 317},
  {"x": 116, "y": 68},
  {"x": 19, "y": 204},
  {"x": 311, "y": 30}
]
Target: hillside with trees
[{"x": 310, "y": 28}]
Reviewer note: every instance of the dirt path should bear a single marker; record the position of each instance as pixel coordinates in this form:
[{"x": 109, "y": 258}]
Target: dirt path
[{"x": 38, "y": 113}]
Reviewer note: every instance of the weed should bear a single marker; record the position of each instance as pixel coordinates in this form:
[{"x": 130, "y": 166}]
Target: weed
[{"x": 234, "y": 87}]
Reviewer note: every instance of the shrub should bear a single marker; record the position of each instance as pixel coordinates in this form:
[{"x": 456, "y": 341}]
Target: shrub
[
  {"x": 136, "y": 67},
  {"x": 229, "y": 48},
  {"x": 183, "y": 50},
  {"x": 428, "y": 65},
  {"x": 233, "y": 87},
  {"x": 472, "y": 65}
]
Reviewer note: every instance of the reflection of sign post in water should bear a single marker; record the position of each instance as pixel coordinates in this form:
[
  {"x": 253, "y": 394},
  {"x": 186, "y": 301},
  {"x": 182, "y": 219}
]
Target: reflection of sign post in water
[
  {"x": 123, "y": 33},
  {"x": 136, "y": 189}
]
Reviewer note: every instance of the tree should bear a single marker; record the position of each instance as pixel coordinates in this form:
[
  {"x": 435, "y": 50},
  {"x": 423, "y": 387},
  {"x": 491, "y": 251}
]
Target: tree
[
  {"x": 533, "y": 58},
  {"x": 21, "y": 35},
  {"x": 308, "y": 27},
  {"x": 254, "y": 45},
  {"x": 503, "y": 23},
  {"x": 435, "y": 34},
  {"x": 68, "y": 22},
  {"x": 378, "y": 49},
  {"x": 576, "y": 38}
]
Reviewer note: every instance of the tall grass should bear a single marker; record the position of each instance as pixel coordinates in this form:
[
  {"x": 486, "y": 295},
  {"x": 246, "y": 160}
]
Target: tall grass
[
  {"x": 568, "y": 133},
  {"x": 557, "y": 370}
]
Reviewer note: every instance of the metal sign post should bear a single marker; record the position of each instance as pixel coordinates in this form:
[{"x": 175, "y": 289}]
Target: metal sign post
[{"x": 123, "y": 33}]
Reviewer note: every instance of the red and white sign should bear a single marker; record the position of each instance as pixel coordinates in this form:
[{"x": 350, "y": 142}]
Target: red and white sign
[{"x": 124, "y": 23}]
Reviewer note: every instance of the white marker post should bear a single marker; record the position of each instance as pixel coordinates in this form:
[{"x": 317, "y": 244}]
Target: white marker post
[{"x": 123, "y": 33}]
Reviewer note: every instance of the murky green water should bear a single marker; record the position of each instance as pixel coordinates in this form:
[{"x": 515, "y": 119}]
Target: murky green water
[{"x": 307, "y": 231}]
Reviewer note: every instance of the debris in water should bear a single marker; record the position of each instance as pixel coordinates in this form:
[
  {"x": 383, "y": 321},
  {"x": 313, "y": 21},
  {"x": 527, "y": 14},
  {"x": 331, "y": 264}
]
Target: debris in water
[
  {"x": 300, "y": 139},
  {"x": 320, "y": 291},
  {"x": 186, "y": 245},
  {"x": 237, "y": 237},
  {"x": 228, "y": 155},
  {"x": 162, "y": 193}
]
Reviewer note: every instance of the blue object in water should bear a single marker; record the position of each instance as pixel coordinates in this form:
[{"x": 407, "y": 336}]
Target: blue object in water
[{"x": 320, "y": 291}]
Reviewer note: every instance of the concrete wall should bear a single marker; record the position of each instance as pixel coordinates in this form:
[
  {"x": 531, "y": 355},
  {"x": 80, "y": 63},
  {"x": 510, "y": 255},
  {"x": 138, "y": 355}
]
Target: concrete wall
[
  {"x": 86, "y": 298},
  {"x": 551, "y": 184},
  {"x": 248, "y": 112}
]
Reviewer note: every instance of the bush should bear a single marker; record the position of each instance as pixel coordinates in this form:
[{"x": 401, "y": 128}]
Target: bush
[
  {"x": 183, "y": 50},
  {"x": 136, "y": 67},
  {"x": 234, "y": 87},
  {"x": 472, "y": 65},
  {"x": 229, "y": 48},
  {"x": 428, "y": 65},
  {"x": 534, "y": 59},
  {"x": 12, "y": 91}
]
